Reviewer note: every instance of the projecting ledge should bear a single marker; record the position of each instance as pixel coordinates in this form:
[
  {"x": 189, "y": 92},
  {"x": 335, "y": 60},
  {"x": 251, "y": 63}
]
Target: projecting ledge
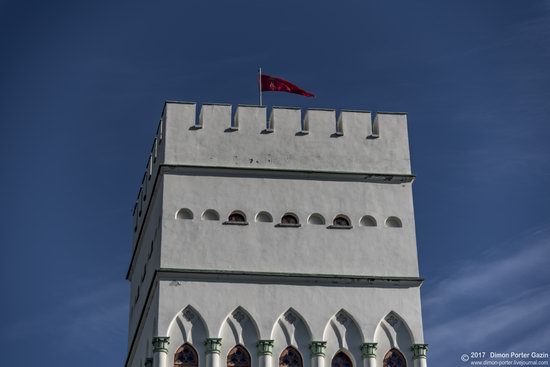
[{"x": 329, "y": 280}]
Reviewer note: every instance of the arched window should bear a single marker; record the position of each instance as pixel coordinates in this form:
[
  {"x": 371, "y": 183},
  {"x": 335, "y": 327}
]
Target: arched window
[
  {"x": 341, "y": 221},
  {"x": 238, "y": 357},
  {"x": 186, "y": 356},
  {"x": 341, "y": 359},
  {"x": 290, "y": 358},
  {"x": 289, "y": 220},
  {"x": 236, "y": 217},
  {"x": 394, "y": 358}
]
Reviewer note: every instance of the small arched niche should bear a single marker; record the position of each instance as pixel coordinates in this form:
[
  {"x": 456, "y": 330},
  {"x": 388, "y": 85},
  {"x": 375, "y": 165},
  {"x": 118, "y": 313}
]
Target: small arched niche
[
  {"x": 289, "y": 220},
  {"x": 210, "y": 214},
  {"x": 185, "y": 214},
  {"x": 264, "y": 217},
  {"x": 236, "y": 217},
  {"x": 367, "y": 221},
  {"x": 393, "y": 222},
  {"x": 316, "y": 219}
]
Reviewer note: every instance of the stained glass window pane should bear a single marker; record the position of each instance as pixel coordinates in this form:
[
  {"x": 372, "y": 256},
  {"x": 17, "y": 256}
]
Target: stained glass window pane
[
  {"x": 341, "y": 221},
  {"x": 238, "y": 357},
  {"x": 290, "y": 358},
  {"x": 394, "y": 358},
  {"x": 341, "y": 360},
  {"x": 186, "y": 356},
  {"x": 289, "y": 219},
  {"x": 236, "y": 217}
]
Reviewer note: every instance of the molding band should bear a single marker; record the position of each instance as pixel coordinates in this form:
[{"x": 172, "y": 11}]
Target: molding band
[
  {"x": 257, "y": 277},
  {"x": 299, "y": 174}
]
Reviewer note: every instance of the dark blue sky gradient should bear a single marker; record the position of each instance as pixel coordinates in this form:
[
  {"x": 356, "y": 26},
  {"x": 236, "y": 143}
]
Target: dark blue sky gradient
[{"x": 82, "y": 85}]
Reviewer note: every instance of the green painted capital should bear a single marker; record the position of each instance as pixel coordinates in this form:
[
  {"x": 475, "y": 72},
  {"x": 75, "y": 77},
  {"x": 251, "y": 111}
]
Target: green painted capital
[
  {"x": 213, "y": 345},
  {"x": 160, "y": 344},
  {"x": 265, "y": 347},
  {"x": 317, "y": 348},
  {"x": 368, "y": 350},
  {"x": 419, "y": 350},
  {"x": 148, "y": 362}
]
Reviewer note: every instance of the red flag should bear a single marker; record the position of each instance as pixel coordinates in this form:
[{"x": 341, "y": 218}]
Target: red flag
[{"x": 274, "y": 84}]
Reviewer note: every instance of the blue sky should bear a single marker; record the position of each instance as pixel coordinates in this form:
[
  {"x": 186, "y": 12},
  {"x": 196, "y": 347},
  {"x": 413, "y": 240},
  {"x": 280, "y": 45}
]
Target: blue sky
[{"x": 82, "y": 86}]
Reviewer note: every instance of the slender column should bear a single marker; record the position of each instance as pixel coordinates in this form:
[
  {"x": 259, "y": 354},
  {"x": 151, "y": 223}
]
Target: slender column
[
  {"x": 317, "y": 349},
  {"x": 160, "y": 350},
  {"x": 368, "y": 352},
  {"x": 213, "y": 346},
  {"x": 265, "y": 353},
  {"x": 419, "y": 355}
]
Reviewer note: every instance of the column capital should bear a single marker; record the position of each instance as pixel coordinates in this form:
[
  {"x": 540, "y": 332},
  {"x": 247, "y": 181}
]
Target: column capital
[
  {"x": 317, "y": 348},
  {"x": 265, "y": 347},
  {"x": 213, "y": 345},
  {"x": 368, "y": 350},
  {"x": 148, "y": 362},
  {"x": 419, "y": 350},
  {"x": 160, "y": 344}
]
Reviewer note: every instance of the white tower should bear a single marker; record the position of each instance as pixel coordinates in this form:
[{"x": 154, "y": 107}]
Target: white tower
[{"x": 279, "y": 242}]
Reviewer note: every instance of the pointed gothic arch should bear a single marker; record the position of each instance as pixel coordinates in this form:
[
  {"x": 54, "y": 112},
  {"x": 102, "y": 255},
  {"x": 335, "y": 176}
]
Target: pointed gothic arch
[
  {"x": 393, "y": 334},
  {"x": 396, "y": 329},
  {"x": 291, "y": 329},
  {"x": 187, "y": 328},
  {"x": 343, "y": 334},
  {"x": 238, "y": 356},
  {"x": 394, "y": 358},
  {"x": 186, "y": 356},
  {"x": 341, "y": 359},
  {"x": 238, "y": 328},
  {"x": 290, "y": 357}
]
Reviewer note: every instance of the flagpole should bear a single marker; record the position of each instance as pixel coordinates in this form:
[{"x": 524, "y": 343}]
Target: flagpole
[{"x": 260, "y": 83}]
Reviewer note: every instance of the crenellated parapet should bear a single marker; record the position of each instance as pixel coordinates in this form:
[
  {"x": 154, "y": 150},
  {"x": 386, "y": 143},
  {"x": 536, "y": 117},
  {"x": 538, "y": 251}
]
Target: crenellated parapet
[{"x": 245, "y": 136}]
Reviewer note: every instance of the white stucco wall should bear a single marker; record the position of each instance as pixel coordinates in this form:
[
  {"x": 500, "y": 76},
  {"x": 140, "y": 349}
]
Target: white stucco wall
[{"x": 199, "y": 244}]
